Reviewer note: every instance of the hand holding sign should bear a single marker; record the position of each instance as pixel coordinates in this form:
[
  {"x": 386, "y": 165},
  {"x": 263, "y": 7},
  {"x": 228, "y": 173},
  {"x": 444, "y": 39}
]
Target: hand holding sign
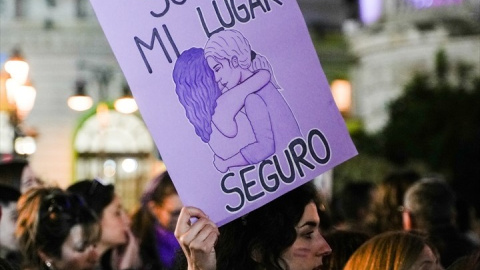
[{"x": 198, "y": 239}]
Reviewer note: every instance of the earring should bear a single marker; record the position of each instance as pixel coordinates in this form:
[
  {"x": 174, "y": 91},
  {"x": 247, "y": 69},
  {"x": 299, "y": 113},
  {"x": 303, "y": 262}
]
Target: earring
[{"x": 49, "y": 264}]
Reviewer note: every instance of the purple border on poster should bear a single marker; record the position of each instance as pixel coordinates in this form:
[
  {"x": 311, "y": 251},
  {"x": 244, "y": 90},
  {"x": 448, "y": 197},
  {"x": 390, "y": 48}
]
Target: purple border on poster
[{"x": 233, "y": 94}]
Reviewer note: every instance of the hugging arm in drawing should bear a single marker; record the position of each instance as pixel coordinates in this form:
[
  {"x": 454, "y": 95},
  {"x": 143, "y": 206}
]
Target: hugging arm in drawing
[{"x": 231, "y": 97}]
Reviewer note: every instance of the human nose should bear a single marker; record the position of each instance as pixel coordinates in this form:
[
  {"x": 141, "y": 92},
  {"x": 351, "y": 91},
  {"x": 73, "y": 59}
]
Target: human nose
[{"x": 324, "y": 248}]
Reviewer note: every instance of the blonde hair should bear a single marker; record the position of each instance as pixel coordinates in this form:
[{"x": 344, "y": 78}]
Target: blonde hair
[
  {"x": 231, "y": 43},
  {"x": 394, "y": 250},
  {"x": 28, "y": 207}
]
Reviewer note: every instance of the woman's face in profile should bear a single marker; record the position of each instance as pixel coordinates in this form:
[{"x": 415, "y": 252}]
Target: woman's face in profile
[
  {"x": 115, "y": 223},
  {"x": 167, "y": 213},
  {"x": 78, "y": 253},
  {"x": 310, "y": 247}
]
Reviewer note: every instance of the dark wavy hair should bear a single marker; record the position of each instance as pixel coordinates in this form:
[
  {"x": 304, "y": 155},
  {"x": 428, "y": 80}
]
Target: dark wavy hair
[
  {"x": 96, "y": 194},
  {"x": 197, "y": 90},
  {"x": 266, "y": 232}
]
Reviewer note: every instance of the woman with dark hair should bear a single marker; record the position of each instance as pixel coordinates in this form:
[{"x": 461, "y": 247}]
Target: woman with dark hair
[
  {"x": 154, "y": 223},
  {"x": 56, "y": 230},
  {"x": 117, "y": 247},
  {"x": 283, "y": 234}
]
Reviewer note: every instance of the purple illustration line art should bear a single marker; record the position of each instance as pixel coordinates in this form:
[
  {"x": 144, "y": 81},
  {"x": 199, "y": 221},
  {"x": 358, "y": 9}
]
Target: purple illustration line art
[{"x": 232, "y": 99}]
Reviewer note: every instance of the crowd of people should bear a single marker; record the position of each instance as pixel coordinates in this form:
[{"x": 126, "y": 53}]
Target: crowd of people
[
  {"x": 406, "y": 222},
  {"x": 84, "y": 226}
]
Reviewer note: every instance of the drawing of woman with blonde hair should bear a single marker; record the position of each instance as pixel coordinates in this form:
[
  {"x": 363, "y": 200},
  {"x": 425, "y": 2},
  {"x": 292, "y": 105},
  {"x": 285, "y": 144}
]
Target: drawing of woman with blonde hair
[{"x": 239, "y": 112}]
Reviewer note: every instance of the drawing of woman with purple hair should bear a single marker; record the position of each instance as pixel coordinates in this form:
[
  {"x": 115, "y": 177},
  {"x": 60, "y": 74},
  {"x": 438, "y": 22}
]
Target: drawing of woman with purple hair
[
  {"x": 229, "y": 56},
  {"x": 203, "y": 100}
]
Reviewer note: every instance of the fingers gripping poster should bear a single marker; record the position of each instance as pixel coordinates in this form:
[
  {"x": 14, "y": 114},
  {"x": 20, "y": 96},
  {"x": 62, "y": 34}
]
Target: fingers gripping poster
[{"x": 233, "y": 94}]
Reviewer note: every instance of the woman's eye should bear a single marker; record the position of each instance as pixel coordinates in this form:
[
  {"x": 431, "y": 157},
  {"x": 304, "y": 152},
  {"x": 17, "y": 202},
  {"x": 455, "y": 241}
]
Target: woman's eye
[{"x": 308, "y": 235}]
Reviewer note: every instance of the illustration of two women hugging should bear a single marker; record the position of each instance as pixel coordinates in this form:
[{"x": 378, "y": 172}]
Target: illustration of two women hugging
[{"x": 231, "y": 97}]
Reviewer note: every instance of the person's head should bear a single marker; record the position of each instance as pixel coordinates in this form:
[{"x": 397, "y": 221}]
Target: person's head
[
  {"x": 469, "y": 262},
  {"x": 162, "y": 200},
  {"x": 18, "y": 174},
  {"x": 197, "y": 90},
  {"x": 56, "y": 229},
  {"x": 394, "y": 250},
  {"x": 428, "y": 203},
  {"x": 356, "y": 202},
  {"x": 283, "y": 234},
  {"x": 390, "y": 197},
  {"x": 232, "y": 60},
  {"x": 8, "y": 217},
  {"x": 343, "y": 244},
  {"x": 101, "y": 198}
]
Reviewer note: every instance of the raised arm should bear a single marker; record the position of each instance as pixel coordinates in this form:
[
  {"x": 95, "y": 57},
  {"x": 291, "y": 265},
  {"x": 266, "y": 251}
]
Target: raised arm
[
  {"x": 232, "y": 101},
  {"x": 197, "y": 239},
  {"x": 264, "y": 145}
]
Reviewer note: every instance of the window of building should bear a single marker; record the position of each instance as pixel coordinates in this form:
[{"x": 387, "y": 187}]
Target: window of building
[
  {"x": 82, "y": 8},
  {"x": 20, "y": 8},
  {"x": 117, "y": 148}
]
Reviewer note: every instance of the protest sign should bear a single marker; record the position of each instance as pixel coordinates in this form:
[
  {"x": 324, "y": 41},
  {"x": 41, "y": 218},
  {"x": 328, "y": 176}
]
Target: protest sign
[{"x": 233, "y": 94}]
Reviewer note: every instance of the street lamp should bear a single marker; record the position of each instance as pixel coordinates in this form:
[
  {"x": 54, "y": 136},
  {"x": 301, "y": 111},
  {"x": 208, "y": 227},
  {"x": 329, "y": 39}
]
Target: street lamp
[
  {"x": 81, "y": 101},
  {"x": 17, "y": 98},
  {"x": 126, "y": 104},
  {"x": 342, "y": 94},
  {"x": 17, "y": 67}
]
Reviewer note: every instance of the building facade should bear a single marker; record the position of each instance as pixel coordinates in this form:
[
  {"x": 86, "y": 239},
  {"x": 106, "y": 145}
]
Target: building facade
[
  {"x": 402, "y": 39},
  {"x": 63, "y": 43}
]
